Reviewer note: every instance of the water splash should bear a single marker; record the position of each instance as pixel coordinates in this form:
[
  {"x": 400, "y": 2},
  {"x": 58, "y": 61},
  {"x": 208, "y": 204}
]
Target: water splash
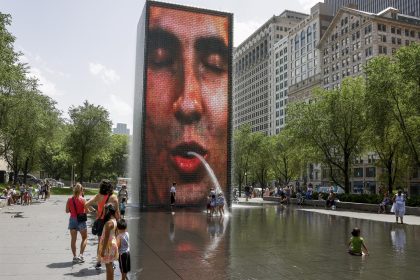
[
  {"x": 212, "y": 177},
  {"x": 209, "y": 171}
]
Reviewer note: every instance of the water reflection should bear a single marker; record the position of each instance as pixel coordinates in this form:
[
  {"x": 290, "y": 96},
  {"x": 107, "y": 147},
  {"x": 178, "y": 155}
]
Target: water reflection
[
  {"x": 398, "y": 239},
  {"x": 272, "y": 242}
]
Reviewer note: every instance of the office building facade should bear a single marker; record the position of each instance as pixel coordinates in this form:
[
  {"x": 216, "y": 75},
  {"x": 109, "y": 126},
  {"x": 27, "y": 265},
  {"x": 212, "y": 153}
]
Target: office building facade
[
  {"x": 356, "y": 36},
  {"x": 407, "y": 7},
  {"x": 304, "y": 66},
  {"x": 253, "y": 61}
]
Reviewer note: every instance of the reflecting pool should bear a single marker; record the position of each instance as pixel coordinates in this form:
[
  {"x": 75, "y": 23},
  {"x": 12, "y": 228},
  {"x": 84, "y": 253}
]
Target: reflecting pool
[{"x": 271, "y": 242}]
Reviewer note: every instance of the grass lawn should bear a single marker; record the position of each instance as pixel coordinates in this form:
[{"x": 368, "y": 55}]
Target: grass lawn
[{"x": 68, "y": 191}]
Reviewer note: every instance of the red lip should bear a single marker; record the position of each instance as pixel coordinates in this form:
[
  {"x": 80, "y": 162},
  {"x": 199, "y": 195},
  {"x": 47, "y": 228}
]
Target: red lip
[{"x": 185, "y": 163}]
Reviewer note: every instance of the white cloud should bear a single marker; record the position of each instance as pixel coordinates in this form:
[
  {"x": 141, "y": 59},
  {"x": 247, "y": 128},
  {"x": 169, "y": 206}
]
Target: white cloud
[
  {"x": 119, "y": 107},
  {"x": 107, "y": 75},
  {"x": 120, "y": 110},
  {"x": 243, "y": 30},
  {"x": 46, "y": 86}
]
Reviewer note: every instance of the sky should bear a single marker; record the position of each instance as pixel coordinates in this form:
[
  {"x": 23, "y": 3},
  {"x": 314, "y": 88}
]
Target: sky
[{"x": 85, "y": 50}]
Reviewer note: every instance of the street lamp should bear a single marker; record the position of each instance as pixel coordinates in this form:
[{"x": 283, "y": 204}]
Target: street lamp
[
  {"x": 246, "y": 183},
  {"x": 72, "y": 179}
]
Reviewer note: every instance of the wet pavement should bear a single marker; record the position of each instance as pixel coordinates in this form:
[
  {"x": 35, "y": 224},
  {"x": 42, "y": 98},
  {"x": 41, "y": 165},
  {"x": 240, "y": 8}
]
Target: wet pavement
[
  {"x": 270, "y": 242},
  {"x": 253, "y": 242},
  {"x": 35, "y": 244}
]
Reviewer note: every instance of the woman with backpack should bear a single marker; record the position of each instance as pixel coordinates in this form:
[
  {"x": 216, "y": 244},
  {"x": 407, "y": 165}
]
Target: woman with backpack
[
  {"x": 105, "y": 196},
  {"x": 77, "y": 223}
]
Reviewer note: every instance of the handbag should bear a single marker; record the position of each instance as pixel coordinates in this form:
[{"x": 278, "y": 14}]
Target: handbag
[
  {"x": 98, "y": 224},
  {"x": 393, "y": 208},
  {"x": 82, "y": 217}
]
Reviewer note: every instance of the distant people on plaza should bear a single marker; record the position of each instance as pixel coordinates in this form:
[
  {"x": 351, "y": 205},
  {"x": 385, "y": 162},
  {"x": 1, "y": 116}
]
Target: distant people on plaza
[
  {"x": 356, "y": 244},
  {"x": 385, "y": 201},
  {"x": 267, "y": 192},
  {"x": 288, "y": 193},
  {"x": 399, "y": 206},
  {"x": 122, "y": 207},
  {"x": 22, "y": 193},
  {"x": 108, "y": 248},
  {"x": 213, "y": 203},
  {"x": 76, "y": 205},
  {"x": 299, "y": 198},
  {"x": 330, "y": 200},
  {"x": 247, "y": 192},
  {"x": 105, "y": 196},
  {"x": 38, "y": 192},
  {"x": 320, "y": 196},
  {"x": 275, "y": 192},
  {"x": 283, "y": 198},
  {"x": 123, "y": 248},
  {"x": 172, "y": 192},
  {"x": 221, "y": 204},
  {"x": 29, "y": 190},
  {"x": 123, "y": 193},
  {"x": 309, "y": 191}
]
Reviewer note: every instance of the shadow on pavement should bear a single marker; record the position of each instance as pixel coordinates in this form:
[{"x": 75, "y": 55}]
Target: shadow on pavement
[
  {"x": 86, "y": 272},
  {"x": 15, "y": 214},
  {"x": 60, "y": 265}
]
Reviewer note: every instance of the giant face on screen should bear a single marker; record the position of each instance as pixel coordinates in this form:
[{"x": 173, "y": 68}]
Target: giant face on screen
[{"x": 186, "y": 103}]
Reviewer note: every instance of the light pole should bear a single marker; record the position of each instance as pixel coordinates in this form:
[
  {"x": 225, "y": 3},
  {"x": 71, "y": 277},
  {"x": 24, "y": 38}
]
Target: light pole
[
  {"x": 246, "y": 183},
  {"x": 72, "y": 179}
]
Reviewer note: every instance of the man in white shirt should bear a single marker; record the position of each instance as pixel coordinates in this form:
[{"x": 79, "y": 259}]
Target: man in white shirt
[{"x": 173, "y": 195}]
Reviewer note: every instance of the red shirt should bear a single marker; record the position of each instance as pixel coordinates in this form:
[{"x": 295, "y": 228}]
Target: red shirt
[{"x": 80, "y": 206}]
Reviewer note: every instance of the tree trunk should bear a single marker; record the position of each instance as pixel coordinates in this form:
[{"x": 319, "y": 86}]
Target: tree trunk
[
  {"x": 346, "y": 173},
  {"x": 25, "y": 170}
]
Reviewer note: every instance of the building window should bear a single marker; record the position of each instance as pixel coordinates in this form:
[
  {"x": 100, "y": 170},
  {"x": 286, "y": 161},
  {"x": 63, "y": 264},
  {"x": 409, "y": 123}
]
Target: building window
[
  {"x": 370, "y": 171},
  {"x": 381, "y": 27},
  {"x": 382, "y": 50},
  {"x": 358, "y": 172}
]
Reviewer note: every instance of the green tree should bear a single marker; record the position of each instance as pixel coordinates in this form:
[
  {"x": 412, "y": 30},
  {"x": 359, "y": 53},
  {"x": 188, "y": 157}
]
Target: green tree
[
  {"x": 284, "y": 157},
  {"x": 28, "y": 128},
  {"x": 90, "y": 131},
  {"x": 333, "y": 126},
  {"x": 395, "y": 83},
  {"x": 112, "y": 161},
  {"x": 54, "y": 158},
  {"x": 244, "y": 143},
  {"x": 260, "y": 164}
]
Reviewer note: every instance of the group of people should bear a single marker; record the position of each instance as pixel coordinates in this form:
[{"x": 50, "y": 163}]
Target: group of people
[
  {"x": 24, "y": 194},
  {"x": 109, "y": 226},
  {"x": 398, "y": 205},
  {"x": 215, "y": 203}
]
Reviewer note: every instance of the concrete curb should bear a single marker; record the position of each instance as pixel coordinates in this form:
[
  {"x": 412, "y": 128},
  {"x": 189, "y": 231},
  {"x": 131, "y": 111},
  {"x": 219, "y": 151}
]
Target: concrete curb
[{"x": 347, "y": 205}]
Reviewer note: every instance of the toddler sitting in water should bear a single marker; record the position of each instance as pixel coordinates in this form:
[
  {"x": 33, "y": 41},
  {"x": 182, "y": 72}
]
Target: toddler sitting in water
[{"x": 356, "y": 243}]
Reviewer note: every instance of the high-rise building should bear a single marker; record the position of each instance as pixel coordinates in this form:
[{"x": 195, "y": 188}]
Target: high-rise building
[
  {"x": 407, "y": 7},
  {"x": 280, "y": 84},
  {"x": 356, "y": 36},
  {"x": 253, "y": 73},
  {"x": 121, "y": 129},
  {"x": 304, "y": 63}
]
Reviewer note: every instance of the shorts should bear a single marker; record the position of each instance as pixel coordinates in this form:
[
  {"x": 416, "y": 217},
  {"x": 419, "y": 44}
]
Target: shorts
[
  {"x": 74, "y": 224},
  {"x": 122, "y": 212},
  {"x": 124, "y": 262}
]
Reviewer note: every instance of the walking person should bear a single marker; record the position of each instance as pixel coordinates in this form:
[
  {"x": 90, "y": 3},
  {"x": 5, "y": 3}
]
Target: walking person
[
  {"x": 123, "y": 248},
  {"x": 108, "y": 248},
  {"x": 399, "y": 208},
  {"x": 76, "y": 206},
  {"x": 173, "y": 196},
  {"x": 105, "y": 196},
  {"x": 123, "y": 193}
]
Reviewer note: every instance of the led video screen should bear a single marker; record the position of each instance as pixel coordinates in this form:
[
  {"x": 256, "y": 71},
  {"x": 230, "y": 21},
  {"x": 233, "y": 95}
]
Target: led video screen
[{"x": 186, "y": 106}]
